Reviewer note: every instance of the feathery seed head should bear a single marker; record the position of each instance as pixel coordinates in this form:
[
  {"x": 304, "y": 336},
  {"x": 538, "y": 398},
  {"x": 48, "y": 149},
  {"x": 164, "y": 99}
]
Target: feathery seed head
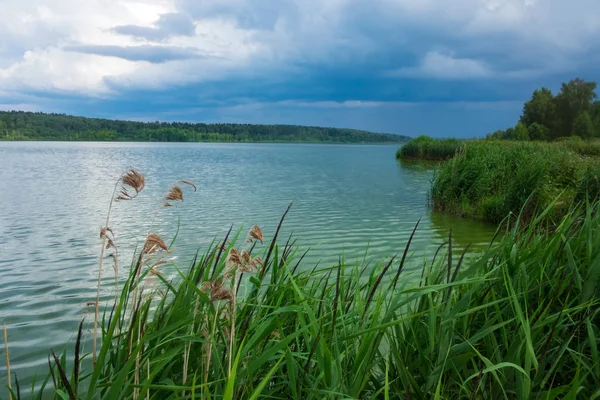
[
  {"x": 219, "y": 292},
  {"x": 256, "y": 233},
  {"x": 174, "y": 194},
  {"x": 234, "y": 257},
  {"x": 110, "y": 243},
  {"x": 246, "y": 257},
  {"x": 134, "y": 180},
  {"x": 153, "y": 243}
]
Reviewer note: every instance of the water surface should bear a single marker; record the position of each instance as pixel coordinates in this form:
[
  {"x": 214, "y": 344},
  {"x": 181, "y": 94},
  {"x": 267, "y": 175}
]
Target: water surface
[{"x": 54, "y": 198}]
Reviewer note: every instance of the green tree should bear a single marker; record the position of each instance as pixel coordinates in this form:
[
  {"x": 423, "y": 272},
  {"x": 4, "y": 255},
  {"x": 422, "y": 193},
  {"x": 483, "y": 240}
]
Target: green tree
[
  {"x": 583, "y": 126},
  {"x": 574, "y": 98},
  {"x": 596, "y": 123},
  {"x": 540, "y": 109},
  {"x": 509, "y": 134},
  {"x": 595, "y": 114},
  {"x": 521, "y": 132},
  {"x": 538, "y": 131}
]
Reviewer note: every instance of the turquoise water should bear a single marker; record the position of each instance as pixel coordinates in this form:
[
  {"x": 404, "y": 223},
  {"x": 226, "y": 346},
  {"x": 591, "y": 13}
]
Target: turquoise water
[{"x": 54, "y": 198}]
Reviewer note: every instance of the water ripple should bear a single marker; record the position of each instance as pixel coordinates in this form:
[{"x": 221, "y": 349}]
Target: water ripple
[{"x": 54, "y": 198}]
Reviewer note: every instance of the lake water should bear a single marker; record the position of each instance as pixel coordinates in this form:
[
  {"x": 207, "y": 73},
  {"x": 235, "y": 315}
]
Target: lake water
[{"x": 54, "y": 198}]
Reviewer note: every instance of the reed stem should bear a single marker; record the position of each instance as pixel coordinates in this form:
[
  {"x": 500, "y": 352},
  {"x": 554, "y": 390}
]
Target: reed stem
[
  {"x": 97, "y": 307},
  {"x": 7, "y": 362}
]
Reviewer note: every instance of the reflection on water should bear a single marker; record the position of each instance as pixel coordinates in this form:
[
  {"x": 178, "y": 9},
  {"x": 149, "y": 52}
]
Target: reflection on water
[
  {"x": 54, "y": 198},
  {"x": 465, "y": 232},
  {"x": 419, "y": 165}
]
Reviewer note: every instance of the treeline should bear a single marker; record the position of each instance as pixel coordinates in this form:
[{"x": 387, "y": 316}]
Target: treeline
[
  {"x": 573, "y": 111},
  {"x": 20, "y": 125}
]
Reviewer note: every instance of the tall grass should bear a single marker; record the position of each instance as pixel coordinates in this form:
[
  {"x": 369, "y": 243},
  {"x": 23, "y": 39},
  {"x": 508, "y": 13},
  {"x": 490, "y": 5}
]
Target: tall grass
[
  {"x": 490, "y": 180},
  {"x": 427, "y": 148},
  {"x": 247, "y": 320},
  {"x": 585, "y": 148}
]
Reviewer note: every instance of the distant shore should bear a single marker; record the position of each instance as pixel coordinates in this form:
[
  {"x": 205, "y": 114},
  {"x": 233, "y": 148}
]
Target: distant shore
[{"x": 21, "y": 125}]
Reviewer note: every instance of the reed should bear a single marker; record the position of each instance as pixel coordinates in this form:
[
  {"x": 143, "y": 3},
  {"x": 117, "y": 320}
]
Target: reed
[
  {"x": 493, "y": 180},
  {"x": 8, "y": 375},
  {"x": 520, "y": 320},
  {"x": 427, "y": 148},
  {"x": 132, "y": 184}
]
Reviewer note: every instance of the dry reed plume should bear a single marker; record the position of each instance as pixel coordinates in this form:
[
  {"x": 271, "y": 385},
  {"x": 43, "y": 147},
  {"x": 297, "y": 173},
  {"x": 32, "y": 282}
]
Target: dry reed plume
[
  {"x": 153, "y": 243},
  {"x": 175, "y": 193},
  {"x": 134, "y": 180},
  {"x": 256, "y": 233}
]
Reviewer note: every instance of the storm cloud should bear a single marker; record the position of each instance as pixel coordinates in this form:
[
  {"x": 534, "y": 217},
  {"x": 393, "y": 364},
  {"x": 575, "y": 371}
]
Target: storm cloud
[{"x": 458, "y": 68}]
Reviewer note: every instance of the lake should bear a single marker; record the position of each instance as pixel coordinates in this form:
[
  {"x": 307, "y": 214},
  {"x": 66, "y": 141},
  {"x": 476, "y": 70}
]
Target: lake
[{"x": 54, "y": 198}]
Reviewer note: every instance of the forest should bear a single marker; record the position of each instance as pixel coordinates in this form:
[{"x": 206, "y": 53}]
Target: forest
[
  {"x": 573, "y": 111},
  {"x": 21, "y": 125}
]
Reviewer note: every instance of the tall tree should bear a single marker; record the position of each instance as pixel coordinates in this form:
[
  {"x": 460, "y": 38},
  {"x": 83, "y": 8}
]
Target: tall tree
[
  {"x": 538, "y": 131},
  {"x": 540, "y": 109},
  {"x": 574, "y": 98}
]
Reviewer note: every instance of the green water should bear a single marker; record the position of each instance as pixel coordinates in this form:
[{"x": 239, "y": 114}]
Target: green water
[{"x": 54, "y": 198}]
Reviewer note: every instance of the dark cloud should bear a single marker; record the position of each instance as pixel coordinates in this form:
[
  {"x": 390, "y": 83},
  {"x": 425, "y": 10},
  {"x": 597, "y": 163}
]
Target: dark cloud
[
  {"x": 150, "y": 53},
  {"x": 463, "y": 68},
  {"x": 168, "y": 25}
]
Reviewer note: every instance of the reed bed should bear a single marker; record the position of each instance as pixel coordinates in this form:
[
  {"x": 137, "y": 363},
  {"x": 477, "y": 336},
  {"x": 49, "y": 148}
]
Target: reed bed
[
  {"x": 247, "y": 320},
  {"x": 491, "y": 180},
  {"x": 428, "y": 148}
]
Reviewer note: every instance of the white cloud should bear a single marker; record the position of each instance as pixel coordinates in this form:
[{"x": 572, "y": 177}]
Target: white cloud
[
  {"x": 56, "y": 70},
  {"x": 55, "y": 63},
  {"x": 41, "y": 64}
]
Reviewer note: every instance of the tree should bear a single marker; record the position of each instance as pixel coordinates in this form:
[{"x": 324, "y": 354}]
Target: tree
[
  {"x": 538, "y": 131},
  {"x": 583, "y": 126},
  {"x": 521, "y": 132},
  {"x": 574, "y": 98},
  {"x": 595, "y": 114},
  {"x": 596, "y": 123},
  {"x": 509, "y": 134},
  {"x": 540, "y": 109}
]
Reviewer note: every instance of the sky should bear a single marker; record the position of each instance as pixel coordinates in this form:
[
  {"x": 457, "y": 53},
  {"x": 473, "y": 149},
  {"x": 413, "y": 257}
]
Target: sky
[{"x": 458, "y": 68}]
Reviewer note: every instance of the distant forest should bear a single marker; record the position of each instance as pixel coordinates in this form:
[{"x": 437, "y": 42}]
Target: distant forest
[{"x": 21, "y": 125}]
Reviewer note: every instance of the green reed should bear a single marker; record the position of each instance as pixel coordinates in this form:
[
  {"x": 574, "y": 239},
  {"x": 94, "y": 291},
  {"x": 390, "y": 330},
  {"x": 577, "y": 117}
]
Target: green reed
[
  {"x": 427, "y": 148},
  {"x": 247, "y": 320},
  {"x": 492, "y": 179}
]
